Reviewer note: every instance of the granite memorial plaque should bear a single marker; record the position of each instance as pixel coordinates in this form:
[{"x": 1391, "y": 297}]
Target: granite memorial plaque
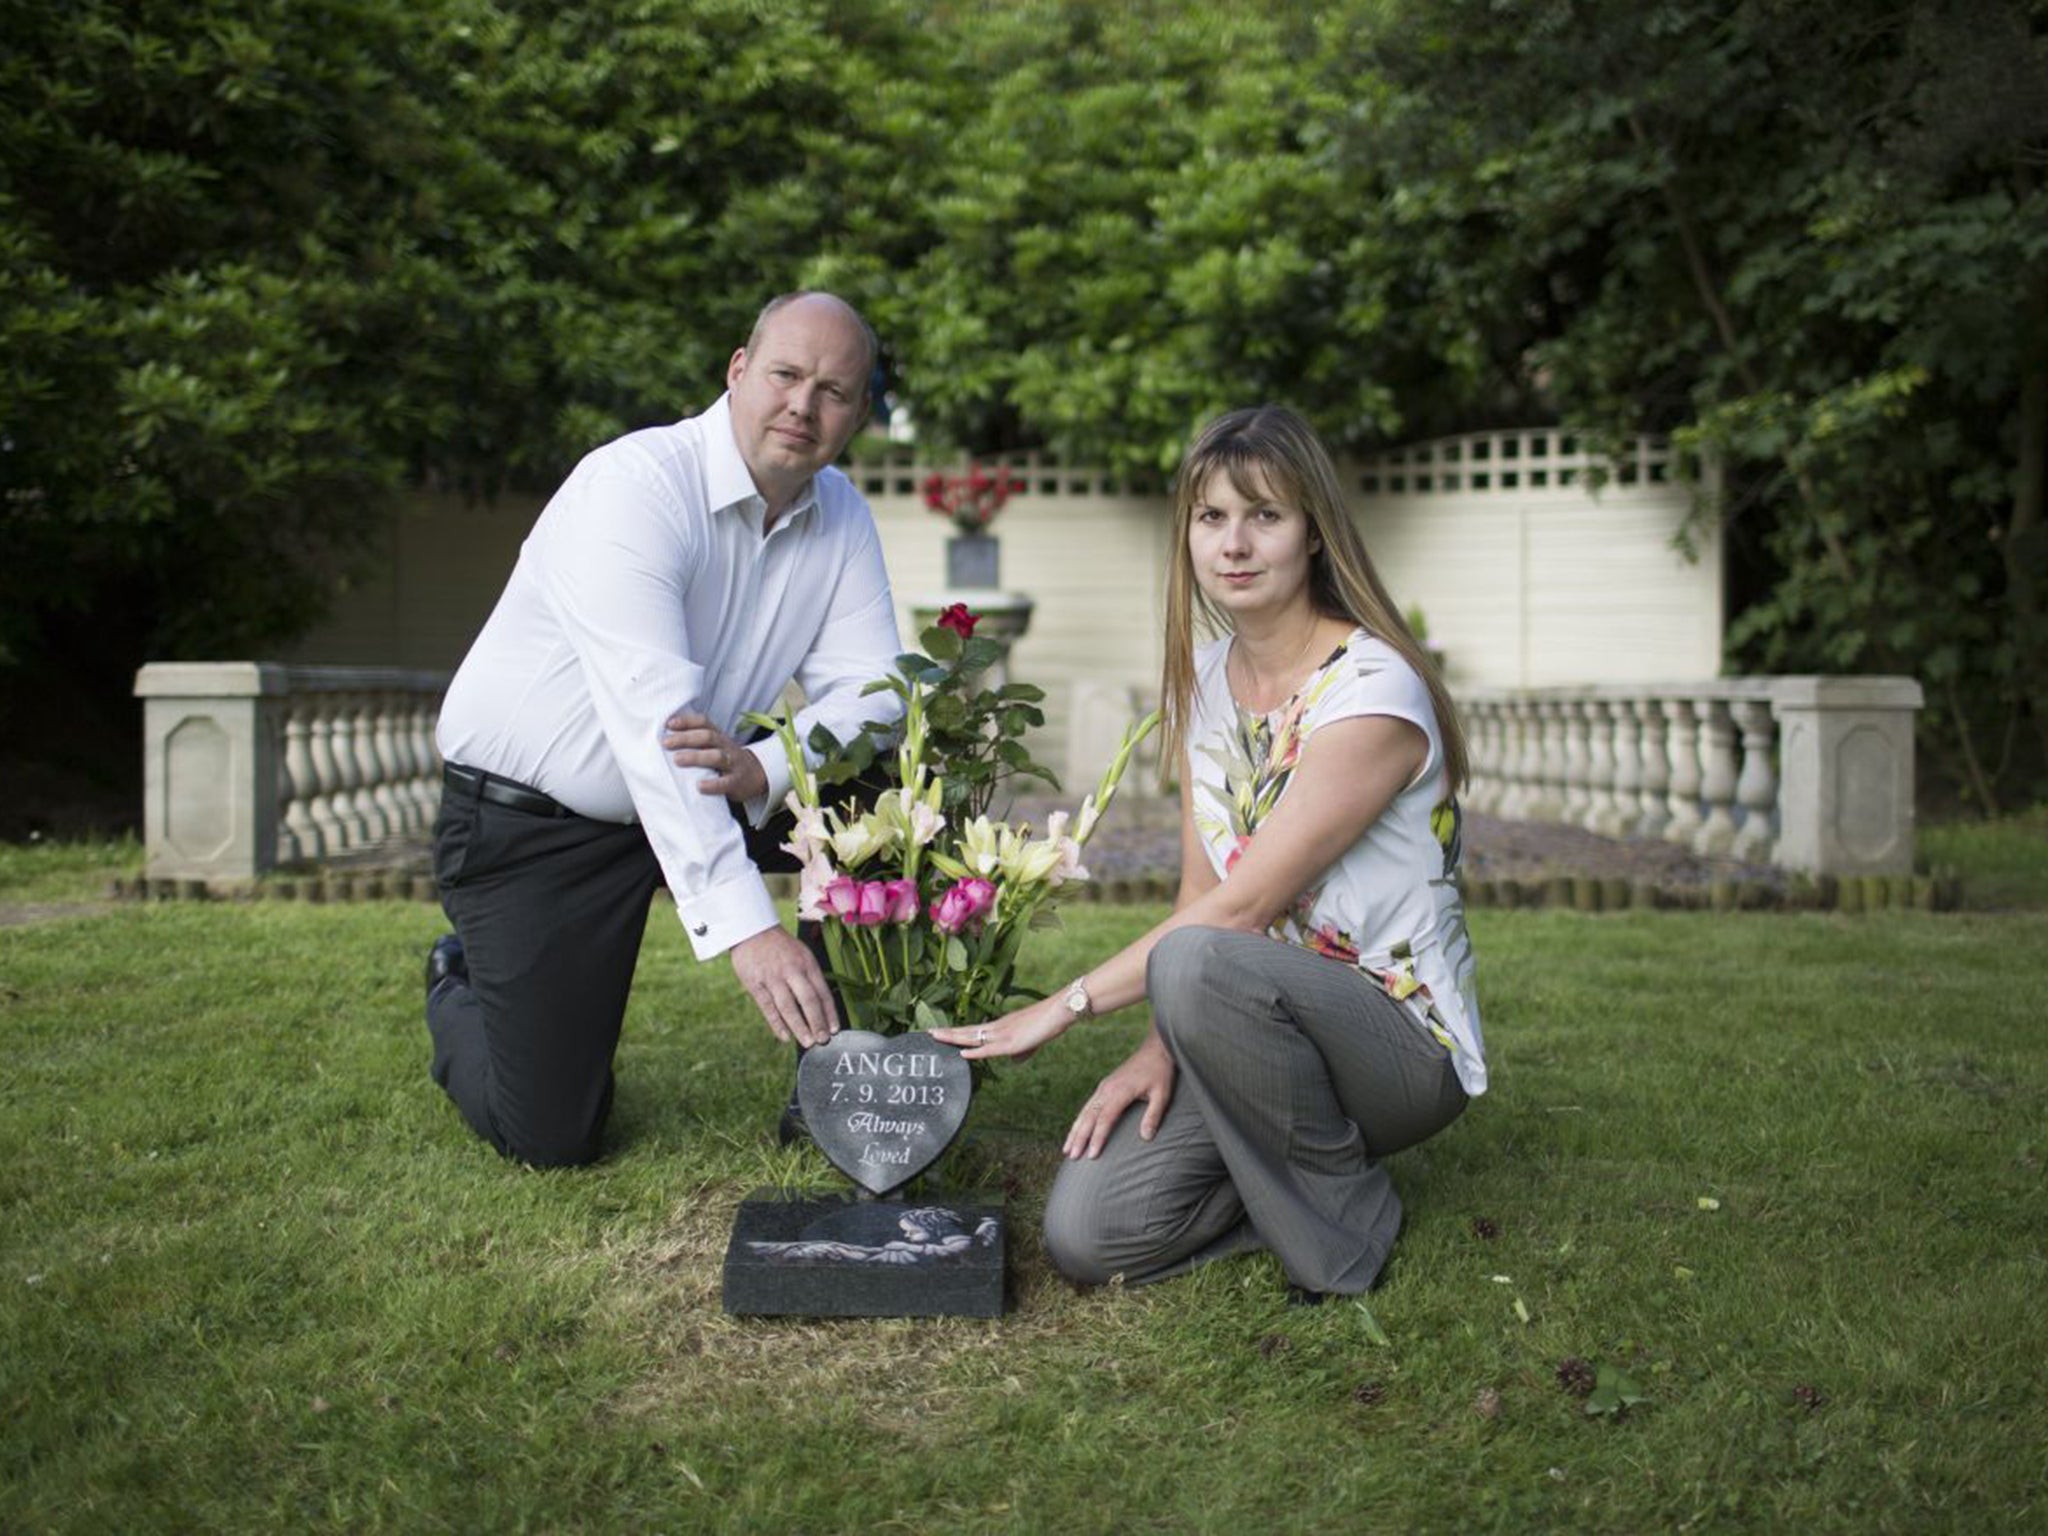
[{"x": 883, "y": 1110}]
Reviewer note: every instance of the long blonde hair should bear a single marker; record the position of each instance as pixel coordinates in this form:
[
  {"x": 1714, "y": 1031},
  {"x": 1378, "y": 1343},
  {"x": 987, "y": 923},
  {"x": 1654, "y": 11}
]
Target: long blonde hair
[{"x": 1269, "y": 451}]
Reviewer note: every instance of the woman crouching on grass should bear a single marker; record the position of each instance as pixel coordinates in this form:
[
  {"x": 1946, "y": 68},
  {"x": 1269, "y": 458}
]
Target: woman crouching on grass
[{"x": 1312, "y": 997}]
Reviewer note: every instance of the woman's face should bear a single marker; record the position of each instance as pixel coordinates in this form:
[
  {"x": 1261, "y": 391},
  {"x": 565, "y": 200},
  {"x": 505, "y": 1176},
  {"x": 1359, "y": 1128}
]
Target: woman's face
[{"x": 1251, "y": 553}]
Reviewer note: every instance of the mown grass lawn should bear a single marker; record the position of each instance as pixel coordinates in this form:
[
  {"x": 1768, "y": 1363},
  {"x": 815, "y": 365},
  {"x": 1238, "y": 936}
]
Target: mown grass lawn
[{"x": 1784, "y": 1171}]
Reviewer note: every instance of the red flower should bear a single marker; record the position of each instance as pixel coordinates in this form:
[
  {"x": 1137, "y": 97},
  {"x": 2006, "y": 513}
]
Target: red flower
[
  {"x": 958, "y": 619},
  {"x": 971, "y": 501}
]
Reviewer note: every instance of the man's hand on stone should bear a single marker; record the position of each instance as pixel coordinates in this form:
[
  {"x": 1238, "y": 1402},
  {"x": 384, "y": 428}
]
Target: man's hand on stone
[
  {"x": 785, "y": 983},
  {"x": 692, "y": 741}
]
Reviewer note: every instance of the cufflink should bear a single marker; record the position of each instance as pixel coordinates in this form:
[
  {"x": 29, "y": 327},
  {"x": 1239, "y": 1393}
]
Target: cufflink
[{"x": 701, "y": 929}]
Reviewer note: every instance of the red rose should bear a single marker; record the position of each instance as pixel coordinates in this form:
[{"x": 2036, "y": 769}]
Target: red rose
[{"x": 958, "y": 619}]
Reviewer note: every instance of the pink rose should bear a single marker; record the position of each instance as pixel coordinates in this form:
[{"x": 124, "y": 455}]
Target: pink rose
[
  {"x": 842, "y": 898},
  {"x": 874, "y": 904},
  {"x": 966, "y": 902},
  {"x": 899, "y": 901}
]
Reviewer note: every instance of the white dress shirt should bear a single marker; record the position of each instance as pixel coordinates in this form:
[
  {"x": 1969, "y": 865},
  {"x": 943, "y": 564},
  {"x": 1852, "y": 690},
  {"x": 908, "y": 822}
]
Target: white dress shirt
[{"x": 646, "y": 587}]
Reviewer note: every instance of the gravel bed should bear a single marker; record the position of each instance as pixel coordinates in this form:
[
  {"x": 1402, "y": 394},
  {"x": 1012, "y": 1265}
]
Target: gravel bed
[{"x": 1140, "y": 838}]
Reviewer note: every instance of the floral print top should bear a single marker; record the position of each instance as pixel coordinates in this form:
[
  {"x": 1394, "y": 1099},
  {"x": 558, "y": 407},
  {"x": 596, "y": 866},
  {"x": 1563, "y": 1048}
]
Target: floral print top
[{"x": 1389, "y": 904}]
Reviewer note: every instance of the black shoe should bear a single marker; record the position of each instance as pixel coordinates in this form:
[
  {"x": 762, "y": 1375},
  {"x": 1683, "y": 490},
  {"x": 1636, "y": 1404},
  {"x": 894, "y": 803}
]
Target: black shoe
[
  {"x": 444, "y": 960},
  {"x": 1301, "y": 1296},
  {"x": 790, "y": 1128}
]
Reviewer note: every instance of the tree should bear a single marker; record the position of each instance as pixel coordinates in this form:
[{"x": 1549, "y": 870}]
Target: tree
[
  {"x": 261, "y": 266},
  {"x": 1816, "y": 250},
  {"x": 1137, "y": 220}
]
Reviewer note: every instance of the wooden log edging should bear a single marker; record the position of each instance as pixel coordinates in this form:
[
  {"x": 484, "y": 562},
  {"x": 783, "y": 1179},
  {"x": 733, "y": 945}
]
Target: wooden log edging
[{"x": 1938, "y": 891}]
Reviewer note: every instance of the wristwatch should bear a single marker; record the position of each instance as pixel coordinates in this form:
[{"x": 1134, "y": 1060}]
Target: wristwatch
[{"x": 1079, "y": 1005}]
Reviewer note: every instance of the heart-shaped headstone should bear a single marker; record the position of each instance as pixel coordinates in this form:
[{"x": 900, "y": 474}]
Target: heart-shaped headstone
[{"x": 883, "y": 1108}]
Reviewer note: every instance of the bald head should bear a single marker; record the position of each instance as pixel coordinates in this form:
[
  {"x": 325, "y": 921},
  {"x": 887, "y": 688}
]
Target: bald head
[
  {"x": 799, "y": 391},
  {"x": 824, "y": 306}
]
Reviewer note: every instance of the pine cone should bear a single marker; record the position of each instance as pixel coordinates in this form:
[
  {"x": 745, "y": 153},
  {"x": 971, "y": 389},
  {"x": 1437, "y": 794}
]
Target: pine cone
[
  {"x": 1808, "y": 1396},
  {"x": 1576, "y": 1376},
  {"x": 1368, "y": 1394},
  {"x": 1484, "y": 1229}
]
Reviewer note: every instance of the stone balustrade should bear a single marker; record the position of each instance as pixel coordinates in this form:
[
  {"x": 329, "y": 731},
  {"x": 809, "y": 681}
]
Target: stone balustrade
[
  {"x": 251, "y": 766},
  {"x": 254, "y": 766},
  {"x": 1808, "y": 773}
]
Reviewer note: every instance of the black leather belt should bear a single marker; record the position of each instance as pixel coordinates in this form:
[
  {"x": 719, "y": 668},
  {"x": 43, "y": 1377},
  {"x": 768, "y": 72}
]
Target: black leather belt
[{"x": 505, "y": 792}]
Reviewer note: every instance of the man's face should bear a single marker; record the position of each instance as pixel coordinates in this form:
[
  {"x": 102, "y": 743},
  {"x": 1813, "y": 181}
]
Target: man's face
[{"x": 798, "y": 395}]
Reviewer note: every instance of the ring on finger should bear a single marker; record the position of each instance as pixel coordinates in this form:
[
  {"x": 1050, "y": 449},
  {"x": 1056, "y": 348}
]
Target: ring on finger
[{"x": 981, "y": 1035}]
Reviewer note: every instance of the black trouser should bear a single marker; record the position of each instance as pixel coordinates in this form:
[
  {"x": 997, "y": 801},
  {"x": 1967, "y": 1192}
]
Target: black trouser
[{"x": 550, "y": 910}]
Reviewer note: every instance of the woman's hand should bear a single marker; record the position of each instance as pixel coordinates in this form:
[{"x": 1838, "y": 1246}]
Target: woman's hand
[
  {"x": 1147, "y": 1074},
  {"x": 1015, "y": 1034}
]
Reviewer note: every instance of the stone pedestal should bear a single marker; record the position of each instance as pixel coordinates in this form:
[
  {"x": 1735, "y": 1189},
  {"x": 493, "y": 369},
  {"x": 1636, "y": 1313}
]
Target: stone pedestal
[
  {"x": 850, "y": 1257},
  {"x": 209, "y": 771},
  {"x": 1845, "y": 756}
]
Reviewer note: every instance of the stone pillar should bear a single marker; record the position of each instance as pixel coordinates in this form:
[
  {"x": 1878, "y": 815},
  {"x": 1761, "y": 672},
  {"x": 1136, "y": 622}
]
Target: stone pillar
[
  {"x": 1845, "y": 781},
  {"x": 210, "y": 735}
]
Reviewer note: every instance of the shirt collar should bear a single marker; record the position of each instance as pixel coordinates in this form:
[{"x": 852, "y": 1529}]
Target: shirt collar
[{"x": 727, "y": 480}]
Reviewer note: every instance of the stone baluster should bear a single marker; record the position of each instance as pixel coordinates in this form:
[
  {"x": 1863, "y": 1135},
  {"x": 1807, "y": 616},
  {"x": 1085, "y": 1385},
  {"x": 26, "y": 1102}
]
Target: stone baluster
[
  {"x": 1599, "y": 815},
  {"x": 1533, "y": 761},
  {"x": 1756, "y": 788},
  {"x": 302, "y": 783},
  {"x": 1545, "y": 760},
  {"x": 330, "y": 795},
  {"x": 1654, "y": 756},
  {"x": 1514, "y": 757},
  {"x": 361, "y": 710},
  {"x": 1626, "y": 789},
  {"x": 1718, "y": 769},
  {"x": 1681, "y": 737},
  {"x": 1483, "y": 742},
  {"x": 427, "y": 785},
  {"x": 393, "y": 768},
  {"x": 1556, "y": 758},
  {"x": 1578, "y": 762},
  {"x": 275, "y": 714}
]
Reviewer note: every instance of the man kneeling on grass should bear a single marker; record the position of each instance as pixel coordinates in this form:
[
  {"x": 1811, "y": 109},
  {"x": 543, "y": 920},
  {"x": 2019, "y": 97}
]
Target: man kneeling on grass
[{"x": 680, "y": 579}]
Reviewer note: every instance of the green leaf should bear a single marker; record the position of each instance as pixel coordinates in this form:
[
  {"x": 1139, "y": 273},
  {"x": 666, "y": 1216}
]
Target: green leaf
[
  {"x": 956, "y": 953},
  {"x": 943, "y": 644},
  {"x": 929, "y": 1018},
  {"x": 1614, "y": 1391}
]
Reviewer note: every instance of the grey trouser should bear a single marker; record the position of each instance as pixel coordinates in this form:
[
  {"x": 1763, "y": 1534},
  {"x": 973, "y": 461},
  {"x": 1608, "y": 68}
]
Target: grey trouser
[{"x": 1295, "y": 1074}]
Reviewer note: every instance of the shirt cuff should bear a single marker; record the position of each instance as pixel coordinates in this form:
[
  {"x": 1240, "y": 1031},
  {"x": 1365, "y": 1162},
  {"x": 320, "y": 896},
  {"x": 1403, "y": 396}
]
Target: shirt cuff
[
  {"x": 775, "y": 767},
  {"x": 727, "y": 913}
]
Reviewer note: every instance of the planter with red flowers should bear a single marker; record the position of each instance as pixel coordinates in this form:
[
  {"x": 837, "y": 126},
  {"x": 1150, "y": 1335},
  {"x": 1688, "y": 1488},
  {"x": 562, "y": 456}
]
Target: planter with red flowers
[{"x": 974, "y": 596}]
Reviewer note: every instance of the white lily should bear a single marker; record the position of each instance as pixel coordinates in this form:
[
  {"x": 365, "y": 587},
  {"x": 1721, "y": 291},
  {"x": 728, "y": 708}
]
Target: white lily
[
  {"x": 854, "y": 843},
  {"x": 981, "y": 847}
]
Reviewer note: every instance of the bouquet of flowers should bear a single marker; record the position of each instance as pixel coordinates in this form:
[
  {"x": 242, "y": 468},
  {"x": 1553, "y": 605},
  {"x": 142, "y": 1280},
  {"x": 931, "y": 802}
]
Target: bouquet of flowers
[
  {"x": 970, "y": 501},
  {"x": 924, "y": 899}
]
